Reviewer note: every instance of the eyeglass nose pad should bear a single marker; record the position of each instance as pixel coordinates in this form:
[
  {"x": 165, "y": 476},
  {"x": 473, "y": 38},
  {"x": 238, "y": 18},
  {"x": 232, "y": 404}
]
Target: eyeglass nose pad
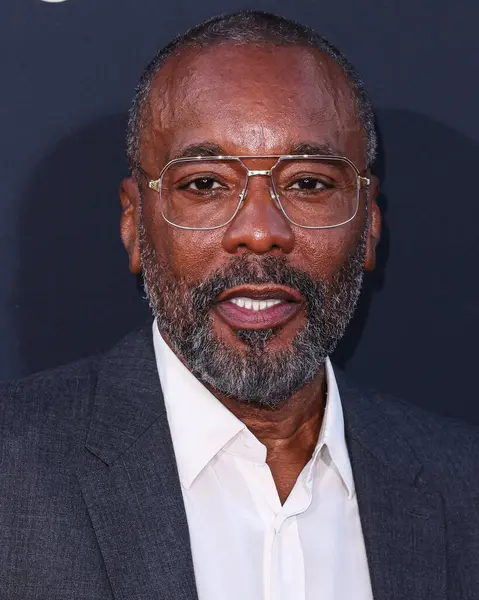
[{"x": 274, "y": 196}]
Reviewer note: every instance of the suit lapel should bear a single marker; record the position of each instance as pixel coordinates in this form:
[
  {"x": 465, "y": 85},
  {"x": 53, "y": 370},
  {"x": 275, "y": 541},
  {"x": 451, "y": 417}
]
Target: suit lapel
[
  {"x": 402, "y": 520},
  {"x": 130, "y": 482}
]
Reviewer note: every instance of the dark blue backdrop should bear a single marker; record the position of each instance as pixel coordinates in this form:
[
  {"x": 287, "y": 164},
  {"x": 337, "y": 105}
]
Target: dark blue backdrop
[{"x": 68, "y": 71}]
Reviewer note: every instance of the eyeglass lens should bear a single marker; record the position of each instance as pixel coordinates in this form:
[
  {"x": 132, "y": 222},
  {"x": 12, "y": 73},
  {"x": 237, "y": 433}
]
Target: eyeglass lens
[{"x": 315, "y": 192}]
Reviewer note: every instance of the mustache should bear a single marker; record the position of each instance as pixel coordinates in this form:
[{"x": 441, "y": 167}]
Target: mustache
[{"x": 244, "y": 270}]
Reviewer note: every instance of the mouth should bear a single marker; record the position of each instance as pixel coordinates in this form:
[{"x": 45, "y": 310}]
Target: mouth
[{"x": 258, "y": 306}]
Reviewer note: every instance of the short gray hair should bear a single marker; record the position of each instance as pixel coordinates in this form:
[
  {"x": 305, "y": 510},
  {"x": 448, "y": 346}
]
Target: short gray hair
[{"x": 246, "y": 27}]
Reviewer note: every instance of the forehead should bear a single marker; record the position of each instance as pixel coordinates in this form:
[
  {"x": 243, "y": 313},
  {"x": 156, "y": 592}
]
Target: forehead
[{"x": 251, "y": 99}]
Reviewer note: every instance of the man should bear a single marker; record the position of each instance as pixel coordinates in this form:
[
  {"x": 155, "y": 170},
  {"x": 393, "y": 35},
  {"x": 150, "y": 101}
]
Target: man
[{"x": 219, "y": 455}]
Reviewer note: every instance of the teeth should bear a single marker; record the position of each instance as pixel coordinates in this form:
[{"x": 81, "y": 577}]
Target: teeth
[{"x": 251, "y": 304}]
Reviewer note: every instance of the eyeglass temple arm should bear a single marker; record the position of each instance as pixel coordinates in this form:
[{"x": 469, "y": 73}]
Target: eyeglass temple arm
[{"x": 154, "y": 185}]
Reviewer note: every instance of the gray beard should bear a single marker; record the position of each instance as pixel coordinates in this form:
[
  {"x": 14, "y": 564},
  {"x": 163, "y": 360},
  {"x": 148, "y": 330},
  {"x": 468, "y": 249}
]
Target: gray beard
[{"x": 256, "y": 375}]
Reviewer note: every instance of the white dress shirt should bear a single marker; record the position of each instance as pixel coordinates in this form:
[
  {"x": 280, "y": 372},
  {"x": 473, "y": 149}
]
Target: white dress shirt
[{"x": 245, "y": 544}]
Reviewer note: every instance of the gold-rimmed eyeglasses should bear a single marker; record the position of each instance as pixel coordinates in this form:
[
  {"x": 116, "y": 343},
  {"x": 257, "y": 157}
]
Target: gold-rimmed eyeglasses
[{"x": 206, "y": 192}]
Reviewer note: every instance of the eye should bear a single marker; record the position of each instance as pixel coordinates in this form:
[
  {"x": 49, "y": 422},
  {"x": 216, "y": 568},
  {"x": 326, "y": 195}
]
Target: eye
[
  {"x": 308, "y": 184},
  {"x": 202, "y": 184}
]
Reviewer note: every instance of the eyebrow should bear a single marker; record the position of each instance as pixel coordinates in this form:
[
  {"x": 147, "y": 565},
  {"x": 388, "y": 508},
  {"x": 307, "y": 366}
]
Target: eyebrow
[
  {"x": 200, "y": 149},
  {"x": 315, "y": 149},
  {"x": 212, "y": 149}
]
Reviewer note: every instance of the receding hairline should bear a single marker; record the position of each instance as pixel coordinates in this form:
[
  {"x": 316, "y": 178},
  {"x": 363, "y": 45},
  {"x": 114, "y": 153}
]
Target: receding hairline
[
  {"x": 180, "y": 53},
  {"x": 225, "y": 30},
  {"x": 158, "y": 86}
]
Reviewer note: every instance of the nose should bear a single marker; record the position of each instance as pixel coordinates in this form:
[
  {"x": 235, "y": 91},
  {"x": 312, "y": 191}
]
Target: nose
[{"x": 260, "y": 225}]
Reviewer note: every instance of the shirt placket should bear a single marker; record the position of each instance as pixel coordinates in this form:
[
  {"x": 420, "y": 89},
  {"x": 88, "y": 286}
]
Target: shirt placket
[
  {"x": 283, "y": 561},
  {"x": 283, "y": 568}
]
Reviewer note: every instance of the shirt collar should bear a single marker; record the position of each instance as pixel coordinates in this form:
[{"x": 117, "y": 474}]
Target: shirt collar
[
  {"x": 201, "y": 426},
  {"x": 332, "y": 432}
]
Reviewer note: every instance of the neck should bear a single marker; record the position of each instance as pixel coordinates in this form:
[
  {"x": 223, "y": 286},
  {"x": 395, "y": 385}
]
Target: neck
[
  {"x": 280, "y": 425},
  {"x": 290, "y": 432}
]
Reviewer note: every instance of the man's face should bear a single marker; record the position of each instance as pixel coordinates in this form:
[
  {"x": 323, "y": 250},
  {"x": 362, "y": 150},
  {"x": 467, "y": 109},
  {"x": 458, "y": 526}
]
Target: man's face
[{"x": 250, "y": 100}]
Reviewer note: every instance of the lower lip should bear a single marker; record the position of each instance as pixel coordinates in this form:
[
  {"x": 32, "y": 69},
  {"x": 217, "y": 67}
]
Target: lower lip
[{"x": 269, "y": 318}]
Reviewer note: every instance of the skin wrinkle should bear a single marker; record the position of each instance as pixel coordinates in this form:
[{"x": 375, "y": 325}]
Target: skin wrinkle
[
  {"x": 267, "y": 103},
  {"x": 169, "y": 103}
]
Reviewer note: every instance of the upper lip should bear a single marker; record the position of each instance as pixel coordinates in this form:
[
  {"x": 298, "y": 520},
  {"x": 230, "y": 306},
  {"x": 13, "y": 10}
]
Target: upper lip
[{"x": 261, "y": 292}]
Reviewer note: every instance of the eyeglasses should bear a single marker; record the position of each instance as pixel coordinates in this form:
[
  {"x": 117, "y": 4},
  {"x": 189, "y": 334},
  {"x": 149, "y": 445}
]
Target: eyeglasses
[{"x": 206, "y": 192}]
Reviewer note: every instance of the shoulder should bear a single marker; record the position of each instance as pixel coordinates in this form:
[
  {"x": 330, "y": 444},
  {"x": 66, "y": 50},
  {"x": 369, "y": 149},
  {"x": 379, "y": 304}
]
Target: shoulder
[
  {"x": 50, "y": 382},
  {"x": 447, "y": 448},
  {"x": 448, "y": 452},
  {"x": 68, "y": 390},
  {"x": 430, "y": 433},
  {"x": 55, "y": 407},
  {"x": 54, "y": 404}
]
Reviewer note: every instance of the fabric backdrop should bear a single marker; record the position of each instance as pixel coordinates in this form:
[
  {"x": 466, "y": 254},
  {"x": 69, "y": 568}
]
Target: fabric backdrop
[{"x": 68, "y": 70}]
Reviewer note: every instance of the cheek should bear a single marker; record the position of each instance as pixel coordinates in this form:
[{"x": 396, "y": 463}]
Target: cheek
[
  {"x": 191, "y": 255},
  {"x": 179, "y": 250},
  {"x": 322, "y": 252}
]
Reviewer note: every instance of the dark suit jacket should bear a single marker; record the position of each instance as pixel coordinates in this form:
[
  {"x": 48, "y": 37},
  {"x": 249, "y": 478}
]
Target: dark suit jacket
[{"x": 91, "y": 506}]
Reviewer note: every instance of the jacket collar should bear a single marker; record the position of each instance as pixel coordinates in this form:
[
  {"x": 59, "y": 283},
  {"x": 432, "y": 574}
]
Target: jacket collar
[
  {"x": 128, "y": 397},
  {"x": 379, "y": 427}
]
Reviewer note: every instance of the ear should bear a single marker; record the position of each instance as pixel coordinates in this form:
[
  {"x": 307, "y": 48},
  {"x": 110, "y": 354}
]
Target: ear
[
  {"x": 374, "y": 224},
  {"x": 130, "y": 211}
]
